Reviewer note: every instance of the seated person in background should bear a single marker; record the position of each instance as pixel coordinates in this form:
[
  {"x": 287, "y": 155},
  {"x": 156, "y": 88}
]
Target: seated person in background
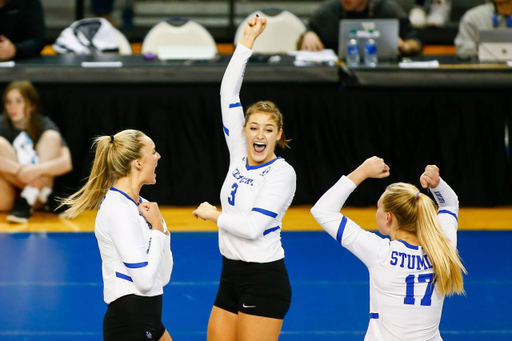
[
  {"x": 104, "y": 9},
  {"x": 324, "y": 24},
  {"x": 22, "y": 29},
  {"x": 494, "y": 14},
  {"x": 32, "y": 152}
]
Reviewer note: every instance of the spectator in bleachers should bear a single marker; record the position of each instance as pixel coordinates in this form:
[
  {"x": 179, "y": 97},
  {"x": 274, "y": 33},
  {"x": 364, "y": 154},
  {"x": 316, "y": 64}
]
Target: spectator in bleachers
[
  {"x": 22, "y": 29},
  {"x": 103, "y": 9},
  {"x": 323, "y": 27},
  {"x": 494, "y": 14}
]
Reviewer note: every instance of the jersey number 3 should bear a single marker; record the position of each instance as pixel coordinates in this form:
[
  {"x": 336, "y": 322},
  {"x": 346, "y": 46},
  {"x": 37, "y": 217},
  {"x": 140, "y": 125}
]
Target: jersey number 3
[
  {"x": 231, "y": 199},
  {"x": 409, "y": 291}
]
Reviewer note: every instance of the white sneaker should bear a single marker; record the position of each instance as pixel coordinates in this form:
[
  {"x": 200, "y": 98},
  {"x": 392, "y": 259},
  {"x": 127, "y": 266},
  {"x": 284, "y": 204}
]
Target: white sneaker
[
  {"x": 418, "y": 17},
  {"x": 439, "y": 13}
]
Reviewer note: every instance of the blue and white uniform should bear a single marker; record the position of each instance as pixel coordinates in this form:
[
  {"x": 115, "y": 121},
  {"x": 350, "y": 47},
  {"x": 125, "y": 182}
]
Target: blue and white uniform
[
  {"x": 404, "y": 305},
  {"x": 254, "y": 198},
  {"x": 135, "y": 258}
]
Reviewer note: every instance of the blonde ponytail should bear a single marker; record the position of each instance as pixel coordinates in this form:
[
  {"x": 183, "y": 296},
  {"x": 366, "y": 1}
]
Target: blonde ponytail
[
  {"x": 416, "y": 214},
  {"x": 112, "y": 161},
  {"x": 448, "y": 267}
]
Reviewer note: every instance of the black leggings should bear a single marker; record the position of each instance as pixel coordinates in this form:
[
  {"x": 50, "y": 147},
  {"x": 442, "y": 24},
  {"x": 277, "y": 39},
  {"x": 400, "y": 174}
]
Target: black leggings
[{"x": 134, "y": 318}]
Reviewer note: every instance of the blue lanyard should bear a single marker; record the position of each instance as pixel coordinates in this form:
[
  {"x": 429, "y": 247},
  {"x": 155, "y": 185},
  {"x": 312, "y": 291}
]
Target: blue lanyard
[{"x": 495, "y": 20}]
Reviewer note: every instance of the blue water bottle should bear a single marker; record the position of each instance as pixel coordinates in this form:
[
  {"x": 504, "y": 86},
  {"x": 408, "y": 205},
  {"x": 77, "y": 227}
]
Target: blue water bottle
[
  {"x": 353, "y": 57},
  {"x": 370, "y": 52}
]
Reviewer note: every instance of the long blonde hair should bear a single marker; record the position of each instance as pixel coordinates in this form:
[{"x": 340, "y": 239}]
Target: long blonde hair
[
  {"x": 112, "y": 161},
  {"x": 270, "y": 108},
  {"x": 416, "y": 213}
]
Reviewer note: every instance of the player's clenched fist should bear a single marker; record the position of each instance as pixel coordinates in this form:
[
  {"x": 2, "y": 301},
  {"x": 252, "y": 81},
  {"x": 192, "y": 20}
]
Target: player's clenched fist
[
  {"x": 255, "y": 26},
  {"x": 430, "y": 177}
]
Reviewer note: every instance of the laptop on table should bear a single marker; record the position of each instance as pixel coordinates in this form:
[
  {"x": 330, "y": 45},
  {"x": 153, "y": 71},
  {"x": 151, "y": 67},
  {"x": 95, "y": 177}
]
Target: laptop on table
[
  {"x": 385, "y": 33},
  {"x": 495, "y": 45}
]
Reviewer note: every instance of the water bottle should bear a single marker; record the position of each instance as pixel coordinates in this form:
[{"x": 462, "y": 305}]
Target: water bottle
[
  {"x": 370, "y": 53},
  {"x": 352, "y": 50}
]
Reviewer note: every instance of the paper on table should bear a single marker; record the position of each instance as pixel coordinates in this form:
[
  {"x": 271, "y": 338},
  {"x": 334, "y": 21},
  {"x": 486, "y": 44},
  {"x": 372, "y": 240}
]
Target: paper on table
[
  {"x": 419, "y": 65},
  {"x": 509, "y": 63},
  {"x": 102, "y": 64},
  {"x": 7, "y": 64},
  {"x": 186, "y": 52},
  {"x": 326, "y": 55}
]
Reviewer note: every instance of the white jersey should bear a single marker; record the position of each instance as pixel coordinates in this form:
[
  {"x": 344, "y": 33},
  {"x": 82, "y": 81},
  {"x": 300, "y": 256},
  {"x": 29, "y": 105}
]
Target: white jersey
[
  {"x": 254, "y": 198},
  {"x": 135, "y": 259},
  {"x": 24, "y": 148},
  {"x": 403, "y": 302}
]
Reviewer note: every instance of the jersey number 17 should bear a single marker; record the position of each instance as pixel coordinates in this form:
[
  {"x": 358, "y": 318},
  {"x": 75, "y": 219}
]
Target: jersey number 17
[{"x": 409, "y": 291}]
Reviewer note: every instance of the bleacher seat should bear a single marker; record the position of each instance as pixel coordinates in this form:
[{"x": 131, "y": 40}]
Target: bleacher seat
[
  {"x": 180, "y": 38},
  {"x": 92, "y": 36},
  {"x": 283, "y": 31}
]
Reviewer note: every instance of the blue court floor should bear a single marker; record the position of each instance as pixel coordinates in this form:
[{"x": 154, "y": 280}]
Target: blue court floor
[{"x": 51, "y": 288}]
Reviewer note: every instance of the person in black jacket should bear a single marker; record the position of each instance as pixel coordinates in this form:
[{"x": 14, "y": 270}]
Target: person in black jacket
[
  {"x": 323, "y": 27},
  {"x": 22, "y": 29}
]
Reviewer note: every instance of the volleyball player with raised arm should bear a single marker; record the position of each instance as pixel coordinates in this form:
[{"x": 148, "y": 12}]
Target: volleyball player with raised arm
[
  {"x": 132, "y": 236},
  {"x": 411, "y": 273},
  {"x": 254, "y": 292}
]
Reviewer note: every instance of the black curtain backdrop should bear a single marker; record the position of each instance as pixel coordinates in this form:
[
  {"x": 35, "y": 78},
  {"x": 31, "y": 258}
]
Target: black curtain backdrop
[{"x": 333, "y": 130}]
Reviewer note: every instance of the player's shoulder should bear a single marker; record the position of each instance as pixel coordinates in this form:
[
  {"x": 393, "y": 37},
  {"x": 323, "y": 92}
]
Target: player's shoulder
[
  {"x": 276, "y": 167},
  {"x": 403, "y": 246},
  {"x": 116, "y": 202},
  {"x": 283, "y": 167}
]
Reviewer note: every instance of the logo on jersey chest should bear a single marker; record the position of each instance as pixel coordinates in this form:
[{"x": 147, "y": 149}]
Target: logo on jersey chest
[
  {"x": 265, "y": 171},
  {"x": 242, "y": 179}
]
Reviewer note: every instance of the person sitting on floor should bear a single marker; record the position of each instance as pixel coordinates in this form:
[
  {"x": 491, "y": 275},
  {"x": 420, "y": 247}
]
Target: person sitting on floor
[{"x": 32, "y": 152}]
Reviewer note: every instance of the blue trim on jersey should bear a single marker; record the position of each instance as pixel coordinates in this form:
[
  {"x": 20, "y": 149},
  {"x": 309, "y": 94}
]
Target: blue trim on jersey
[
  {"x": 446, "y": 211},
  {"x": 265, "y": 212},
  {"x": 135, "y": 265},
  {"x": 272, "y": 229},
  {"x": 120, "y": 275},
  {"x": 259, "y": 166},
  {"x": 235, "y": 105},
  {"x": 374, "y": 316},
  {"x": 126, "y": 195},
  {"x": 226, "y": 130},
  {"x": 409, "y": 246},
  {"x": 343, "y": 223}
]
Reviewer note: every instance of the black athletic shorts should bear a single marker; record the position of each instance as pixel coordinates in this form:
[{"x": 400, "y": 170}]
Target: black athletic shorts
[
  {"x": 134, "y": 318},
  {"x": 261, "y": 289}
]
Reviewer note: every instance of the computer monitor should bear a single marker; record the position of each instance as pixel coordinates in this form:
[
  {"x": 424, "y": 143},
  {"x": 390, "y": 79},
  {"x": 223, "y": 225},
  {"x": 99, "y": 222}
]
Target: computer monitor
[
  {"x": 385, "y": 33},
  {"x": 495, "y": 45}
]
